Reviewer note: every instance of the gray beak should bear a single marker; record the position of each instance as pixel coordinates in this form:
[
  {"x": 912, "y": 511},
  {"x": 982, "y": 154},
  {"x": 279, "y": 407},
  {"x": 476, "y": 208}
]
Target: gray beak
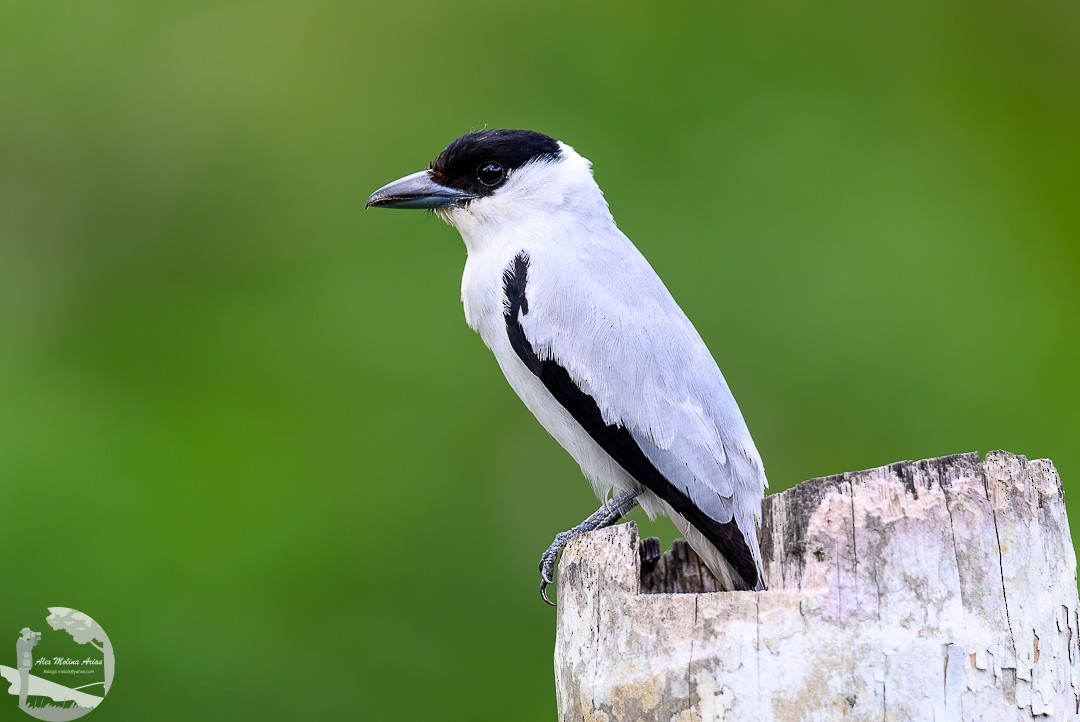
[{"x": 417, "y": 191}]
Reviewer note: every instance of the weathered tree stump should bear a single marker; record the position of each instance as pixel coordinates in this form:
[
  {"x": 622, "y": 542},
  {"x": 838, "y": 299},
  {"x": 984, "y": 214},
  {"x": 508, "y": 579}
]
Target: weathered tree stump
[{"x": 942, "y": 589}]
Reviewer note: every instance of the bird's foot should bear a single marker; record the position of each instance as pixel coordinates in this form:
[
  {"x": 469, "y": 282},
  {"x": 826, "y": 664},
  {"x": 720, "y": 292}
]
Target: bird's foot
[
  {"x": 547, "y": 561},
  {"x": 609, "y": 513}
]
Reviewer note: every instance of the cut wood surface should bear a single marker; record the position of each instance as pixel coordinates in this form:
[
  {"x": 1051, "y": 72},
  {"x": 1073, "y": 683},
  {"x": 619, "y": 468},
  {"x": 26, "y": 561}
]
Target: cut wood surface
[{"x": 942, "y": 589}]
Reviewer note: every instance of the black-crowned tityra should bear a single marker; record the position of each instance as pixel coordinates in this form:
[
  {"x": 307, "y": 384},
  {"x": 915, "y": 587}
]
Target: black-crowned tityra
[{"x": 593, "y": 343}]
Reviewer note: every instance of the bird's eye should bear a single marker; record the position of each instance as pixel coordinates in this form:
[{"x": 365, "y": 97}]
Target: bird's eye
[{"x": 490, "y": 173}]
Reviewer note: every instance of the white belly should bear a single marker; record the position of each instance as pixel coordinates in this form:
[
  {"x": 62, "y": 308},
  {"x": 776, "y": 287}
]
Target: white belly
[{"x": 483, "y": 297}]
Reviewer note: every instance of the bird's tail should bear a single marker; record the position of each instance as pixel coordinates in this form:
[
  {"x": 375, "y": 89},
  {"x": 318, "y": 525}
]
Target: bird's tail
[{"x": 726, "y": 575}]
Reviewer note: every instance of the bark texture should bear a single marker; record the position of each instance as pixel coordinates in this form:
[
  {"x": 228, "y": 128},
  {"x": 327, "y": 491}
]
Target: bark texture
[{"x": 942, "y": 589}]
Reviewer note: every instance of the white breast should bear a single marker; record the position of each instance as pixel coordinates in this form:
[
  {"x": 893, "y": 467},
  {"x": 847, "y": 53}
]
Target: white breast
[{"x": 482, "y": 294}]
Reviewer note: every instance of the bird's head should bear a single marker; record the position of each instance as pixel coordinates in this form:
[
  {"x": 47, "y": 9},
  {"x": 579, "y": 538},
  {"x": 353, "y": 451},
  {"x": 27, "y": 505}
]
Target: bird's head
[{"x": 492, "y": 179}]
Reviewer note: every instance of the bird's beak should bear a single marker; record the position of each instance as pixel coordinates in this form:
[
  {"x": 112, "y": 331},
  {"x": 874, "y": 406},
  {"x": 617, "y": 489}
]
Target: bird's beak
[{"x": 418, "y": 190}]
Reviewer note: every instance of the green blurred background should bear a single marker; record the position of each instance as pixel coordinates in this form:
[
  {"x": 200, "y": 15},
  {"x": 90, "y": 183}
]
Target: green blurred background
[{"x": 243, "y": 423}]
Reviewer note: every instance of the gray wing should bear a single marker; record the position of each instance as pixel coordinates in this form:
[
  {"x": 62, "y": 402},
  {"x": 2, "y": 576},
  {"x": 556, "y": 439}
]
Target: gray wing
[{"x": 604, "y": 335}]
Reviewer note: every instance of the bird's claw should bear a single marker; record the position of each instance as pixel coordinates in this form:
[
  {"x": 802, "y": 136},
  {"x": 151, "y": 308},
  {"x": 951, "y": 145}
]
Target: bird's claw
[
  {"x": 543, "y": 592},
  {"x": 547, "y": 571}
]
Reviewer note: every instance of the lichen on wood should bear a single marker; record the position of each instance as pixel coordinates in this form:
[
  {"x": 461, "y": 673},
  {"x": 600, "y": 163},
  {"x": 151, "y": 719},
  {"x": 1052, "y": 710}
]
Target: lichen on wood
[{"x": 943, "y": 589}]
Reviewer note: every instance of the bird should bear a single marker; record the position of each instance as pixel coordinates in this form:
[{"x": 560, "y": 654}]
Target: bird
[{"x": 595, "y": 345}]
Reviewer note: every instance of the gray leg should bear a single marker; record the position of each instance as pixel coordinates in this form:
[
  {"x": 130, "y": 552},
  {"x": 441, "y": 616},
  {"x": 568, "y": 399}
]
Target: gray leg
[{"x": 607, "y": 515}]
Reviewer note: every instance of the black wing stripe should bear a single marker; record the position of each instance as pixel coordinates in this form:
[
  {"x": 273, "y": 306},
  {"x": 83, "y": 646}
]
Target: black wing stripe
[{"x": 615, "y": 440}]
